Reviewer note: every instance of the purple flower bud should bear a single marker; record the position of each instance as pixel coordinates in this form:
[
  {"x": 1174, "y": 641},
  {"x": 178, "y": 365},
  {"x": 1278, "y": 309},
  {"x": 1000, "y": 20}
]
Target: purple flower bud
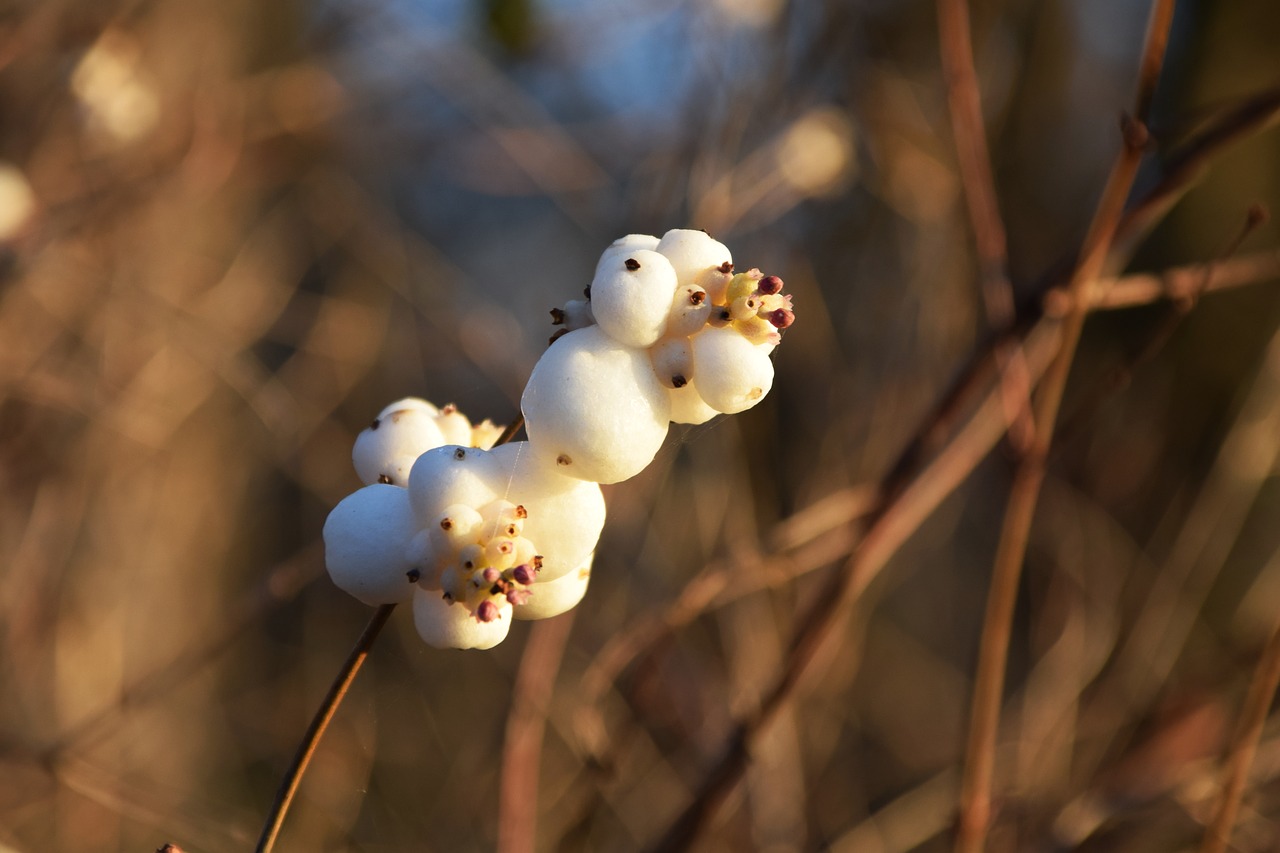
[
  {"x": 781, "y": 318},
  {"x": 491, "y": 574},
  {"x": 518, "y": 596},
  {"x": 523, "y": 575},
  {"x": 487, "y": 611},
  {"x": 769, "y": 284}
]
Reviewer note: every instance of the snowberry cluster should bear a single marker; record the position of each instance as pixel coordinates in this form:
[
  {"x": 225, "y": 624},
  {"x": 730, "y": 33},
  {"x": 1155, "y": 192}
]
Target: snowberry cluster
[{"x": 476, "y": 536}]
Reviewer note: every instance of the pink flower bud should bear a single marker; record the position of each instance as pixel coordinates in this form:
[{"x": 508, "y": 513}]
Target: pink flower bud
[{"x": 487, "y": 611}]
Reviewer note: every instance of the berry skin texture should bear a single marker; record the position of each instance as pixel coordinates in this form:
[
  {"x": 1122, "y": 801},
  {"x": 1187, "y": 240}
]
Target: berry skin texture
[
  {"x": 631, "y": 296},
  {"x": 595, "y": 408},
  {"x": 553, "y": 597},
  {"x": 443, "y": 624},
  {"x": 629, "y": 243},
  {"x": 385, "y": 451},
  {"x": 565, "y": 514},
  {"x": 698, "y": 259},
  {"x": 365, "y": 543},
  {"x": 733, "y": 374},
  {"x": 450, "y": 475},
  {"x": 688, "y": 407}
]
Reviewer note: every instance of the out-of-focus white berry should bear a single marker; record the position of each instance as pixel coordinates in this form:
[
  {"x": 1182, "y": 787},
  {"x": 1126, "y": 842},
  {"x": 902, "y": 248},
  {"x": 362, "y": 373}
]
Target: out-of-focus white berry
[
  {"x": 565, "y": 514},
  {"x": 626, "y": 244},
  {"x": 698, "y": 259},
  {"x": 450, "y": 475},
  {"x": 576, "y": 314},
  {"x": 455, "y": 426},
  {"x": 732, "y": 374},
  {"x": 595, "y": 407},
  {"x": 485, "y": 433},
  {"x": 631, "y": 296},
  {"x": 448, "y": 625},
  {"x": 689, "y": 311},
  {"x": 688, "y": 407},
  {"x": 365, "y": 542},
  {"x": 673, "y": 361},
  {"x": 553, "y": 597},
  {"x": 409, "y": 403},
  {"x": 384, "y": 452}
]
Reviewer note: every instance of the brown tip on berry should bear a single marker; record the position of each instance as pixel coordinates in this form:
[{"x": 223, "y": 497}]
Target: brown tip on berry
[
  {"x": 586, "y": 291},
  {"x": 460, "y": 453},
  {"x": 726, "y": 267},
  {"x": 446, "y": 524},
  {"x": 376, "y": 423},
  {"x": 563, "y": 459},
  {"x": 413, "y": 575},
  {"x": 632, "y": 264},
  {"x": 385, "y": 479},
  {"x": 557, "y": 316},
  {"x": 679, "y": 381},
  {"x": 448, "y": 408},
  {"x": 521, "y": 512},
  {"x": 698, "y": 297}
]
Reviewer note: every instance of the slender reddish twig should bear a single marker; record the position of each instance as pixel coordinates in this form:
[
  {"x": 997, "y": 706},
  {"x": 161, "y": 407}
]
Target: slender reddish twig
[
  {"x": 319, "y": 723},
  {"x": 526, "y": 723},
  {"x": 979, "y": 767},
  {"x": 1235, "y": 772}
]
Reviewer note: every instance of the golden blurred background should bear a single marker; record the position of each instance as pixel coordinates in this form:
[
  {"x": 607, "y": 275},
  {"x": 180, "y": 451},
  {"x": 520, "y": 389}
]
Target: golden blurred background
[{"x": 231, "y": 232}]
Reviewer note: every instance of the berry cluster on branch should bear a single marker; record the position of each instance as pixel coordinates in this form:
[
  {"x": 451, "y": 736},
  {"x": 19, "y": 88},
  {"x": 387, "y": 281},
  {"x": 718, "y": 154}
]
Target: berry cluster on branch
[{"x": 475, "y": 535}]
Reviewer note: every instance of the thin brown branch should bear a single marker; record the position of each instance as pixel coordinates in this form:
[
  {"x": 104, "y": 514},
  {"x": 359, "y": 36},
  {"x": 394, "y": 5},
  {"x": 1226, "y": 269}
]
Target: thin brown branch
[
  {"x": 980, "y": 753},
  {"x": 1176, "y": 283},
  {"x": 898, "y": 515},
  {"x": 1183, "y": 167},
  {"x": 965, "y": 103},
  {"x": 526, "y": 723},
  {"x": 1120, "y": 376},
  {"x": 1235, "y": 771},
  {"x": 319, "y": 724},
  {"x": 973, "y": 157}
]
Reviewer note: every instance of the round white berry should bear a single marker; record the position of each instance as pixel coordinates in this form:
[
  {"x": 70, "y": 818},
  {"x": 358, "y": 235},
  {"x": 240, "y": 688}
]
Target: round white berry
[
  {"x": 409, "y": 403},
  {"x": 595, "y": 407},
  {"x": 631, "y": 296},
  {"x": 455, "y": 426},
  {"x": 365, "y": 543},
  {"x": 688, "y": 407},
  {"x": 628, "y": 243},
  {"x": 697, "y": 259},
  {"x": 553, "y": 597},
  {"x": 672, "y": 361},
  {"x": 450, "y": 475},
  {"x": 732, "y": 374},
  {"x": 689, "y": 311},
  {"x": 565, "y": 514},
  {"x": 447, "y": 625},
  {"x": 385, "y": 451}
]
